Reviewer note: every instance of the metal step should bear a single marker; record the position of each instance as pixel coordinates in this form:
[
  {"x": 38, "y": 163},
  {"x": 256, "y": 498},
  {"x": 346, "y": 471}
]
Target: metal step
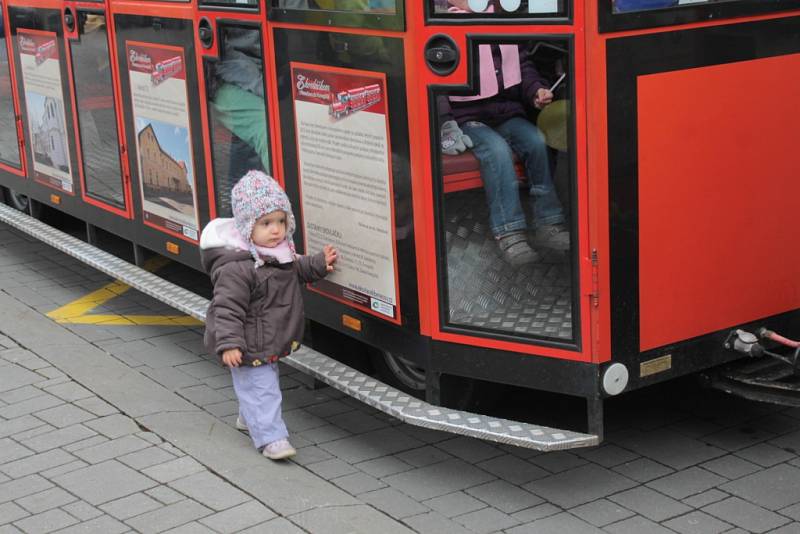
[{"x": 346, "y": 379}]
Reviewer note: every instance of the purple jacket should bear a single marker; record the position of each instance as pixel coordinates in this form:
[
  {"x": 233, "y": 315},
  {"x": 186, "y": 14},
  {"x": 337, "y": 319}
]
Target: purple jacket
[{"x": 510, "y": 102}]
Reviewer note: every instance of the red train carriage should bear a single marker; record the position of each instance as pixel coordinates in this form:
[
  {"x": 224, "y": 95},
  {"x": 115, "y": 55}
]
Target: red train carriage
[{"x": 677, "y": 196}]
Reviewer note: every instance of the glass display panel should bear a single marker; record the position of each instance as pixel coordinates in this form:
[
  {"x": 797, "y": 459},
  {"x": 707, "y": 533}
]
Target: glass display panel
[
  {"x": 97, "y": 117},
  {"x": 498, "y": 8},
  {"x": 239, "y": 132},
  {"x": 506, "y": 184},
  {"x": 348, "y": 6},
  {"x": 9, "y": 142},
  {"x": 628, "y": 6},
  {"x": 230, "y": 3}
]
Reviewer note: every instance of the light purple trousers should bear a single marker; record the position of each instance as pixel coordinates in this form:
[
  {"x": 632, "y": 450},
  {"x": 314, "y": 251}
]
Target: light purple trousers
[{"x": 259, "y": 394}]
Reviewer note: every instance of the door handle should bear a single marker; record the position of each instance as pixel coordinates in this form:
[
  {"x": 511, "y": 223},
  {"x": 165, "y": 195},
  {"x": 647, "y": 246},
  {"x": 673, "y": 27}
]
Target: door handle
[{"x": 441, "y": 54}]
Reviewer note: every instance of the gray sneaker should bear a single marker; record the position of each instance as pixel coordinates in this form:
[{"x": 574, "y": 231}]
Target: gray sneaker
[
  {"x": 514, "y": 249},
  {"x": 241, "y": 425},
  {"x": 552, "y": 236}
]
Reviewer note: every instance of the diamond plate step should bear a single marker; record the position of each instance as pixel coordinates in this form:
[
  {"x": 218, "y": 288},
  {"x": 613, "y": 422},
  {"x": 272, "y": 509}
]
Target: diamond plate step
[{"x": 346, "y": 379}]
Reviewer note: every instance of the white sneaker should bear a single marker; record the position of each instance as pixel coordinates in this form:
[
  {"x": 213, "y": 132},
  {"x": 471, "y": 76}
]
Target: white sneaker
[
  {"x": 279, "y": 450},
  {"x": 240, "y": 424}
]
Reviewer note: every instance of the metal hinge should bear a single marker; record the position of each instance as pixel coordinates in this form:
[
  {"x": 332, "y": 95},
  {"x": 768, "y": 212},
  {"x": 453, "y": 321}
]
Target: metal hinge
[{"x": 595, "y": 294}]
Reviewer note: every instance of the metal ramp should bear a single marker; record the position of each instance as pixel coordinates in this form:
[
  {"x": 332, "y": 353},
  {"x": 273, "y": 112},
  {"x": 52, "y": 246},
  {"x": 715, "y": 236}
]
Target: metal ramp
[{"x": 354, "y": 383}]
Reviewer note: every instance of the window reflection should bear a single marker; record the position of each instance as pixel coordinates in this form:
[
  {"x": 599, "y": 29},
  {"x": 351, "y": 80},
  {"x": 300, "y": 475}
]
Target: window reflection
[
  {"x": 240, "y": 138},
  {"x": 96, "y": 115},
  {"x": 506, "y": 181},
  {"x": 626, "y": 6},
  {"x": 353, "y": 6},
  {"x": 498, "y": 8},
  {"x": 9, "y": 144}
]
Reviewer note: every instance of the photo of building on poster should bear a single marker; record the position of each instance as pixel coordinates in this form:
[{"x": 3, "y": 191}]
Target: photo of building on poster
[
  {"x": 163, "y": 137},
  {"x": 44, "y": 102},
  {"x": 344, "y": 164}
]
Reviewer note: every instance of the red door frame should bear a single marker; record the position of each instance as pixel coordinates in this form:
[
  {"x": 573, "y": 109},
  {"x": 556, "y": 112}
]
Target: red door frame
[{"x": 22, "y": 171}]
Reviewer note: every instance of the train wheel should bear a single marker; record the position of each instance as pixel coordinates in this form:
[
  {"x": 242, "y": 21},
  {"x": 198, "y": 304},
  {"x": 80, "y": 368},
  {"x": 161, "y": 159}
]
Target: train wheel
[
  {"x": 399, "y": 372},
  {"x": 16, "y": 200}
]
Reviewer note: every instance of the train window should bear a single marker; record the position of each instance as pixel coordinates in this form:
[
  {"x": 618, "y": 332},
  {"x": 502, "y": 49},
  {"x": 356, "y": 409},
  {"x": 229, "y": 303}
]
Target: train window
[
  {"x": 348, "y": 6},
  {"x": 239, "y": 133},
  {"x": 9, "y": 144},
  {"x": 506, "y": 179},
  {"x": 97, "y": 117},
  {"x": 460, "y": 9},
  {"x": 230, "y": 3}
]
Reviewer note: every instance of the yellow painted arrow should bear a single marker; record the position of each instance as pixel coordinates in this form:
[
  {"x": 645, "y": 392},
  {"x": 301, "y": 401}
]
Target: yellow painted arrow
[{"x": 77, "y": 311}]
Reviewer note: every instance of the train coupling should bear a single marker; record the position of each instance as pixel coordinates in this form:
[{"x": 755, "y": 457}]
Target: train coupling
[{"x": 744, "y": 342}]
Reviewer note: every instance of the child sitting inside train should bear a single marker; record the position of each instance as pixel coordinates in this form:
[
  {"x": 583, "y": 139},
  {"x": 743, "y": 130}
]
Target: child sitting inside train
[{"x": 494, "y": 124}]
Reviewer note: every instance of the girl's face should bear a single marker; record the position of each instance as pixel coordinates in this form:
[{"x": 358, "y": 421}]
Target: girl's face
[{"x": 270, "y": 229}]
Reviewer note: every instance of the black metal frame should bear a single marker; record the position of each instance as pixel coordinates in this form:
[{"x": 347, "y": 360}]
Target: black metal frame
[
  {"x": 461, "y": 19},
  {"x": 341, "y": 19},
  {"x": 473, "y": 40}
]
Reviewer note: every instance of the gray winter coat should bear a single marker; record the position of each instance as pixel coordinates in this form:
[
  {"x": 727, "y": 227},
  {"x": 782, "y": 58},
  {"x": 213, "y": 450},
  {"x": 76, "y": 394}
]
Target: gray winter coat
[{"x": 259, "y": 311}]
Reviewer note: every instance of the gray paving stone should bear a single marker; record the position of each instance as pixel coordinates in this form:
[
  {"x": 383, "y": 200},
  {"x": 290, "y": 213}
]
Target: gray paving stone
[
  {"x": 608, "y": 455},
  {"x": 202, "y": 369},
  {"x": 30, "y": 406},
  {"x": 58, "y": 438},
  {"x": 10, "y": 450},
  {"x": 70, "y": 392},
  {"x": 278, "y": 525},
  {"x": 114, "y": 426},
  {"x": 46, "y": 521},
  {"x": 131, "y": 506},
  {"x": 637, "y": 525},
  {"x": 650, "y": 504},
  {"x": 557, "y": 524},
  {"x": 705, "y": 498},
  {"x": 486, "y": 520},
  {"x": 64, "y": 415},
  {"x": 456, "y": 503},
  {"x": 439, "y": 479},
  {"x": 20, "y": 394},
  {"x": 601, "y": 512},
  {"x": 731, "y": 467},
  {"x": 324, "y": 434},
  {"x": 201, "y": 395},
  {"x": 370, "y": 445},
  {"x": 765, "y": 454},
  {"x": 165, "y": 494},
  {"x": 82, "y": 510},
  {"x": 791, "y": 528},
  {"x": 111, "y": 449},
  {"x": 381, "y": 467},
  {"x": 773, "y": 488},
  {"x": 239, "y": 517},
  {"x": 10, "y": 512},
  {"x": 356, "y": 422},
  {"x": 15, "y": 376},
  {"x": 174, "y": 469},
  {"x": 18, "y": 425},
  {"x": 745, "y": 515},
  {"x": 469, "y": 449},
  {"x": 33, "y": 432},
  {"x": 571, "y": 488},
  {"x": 393, "y": 502},
  {"x": 642, "y": 470},
  {"x": 223, "y": 409},
  {"x": 504, "y": 496},
  {"x": 62, "y": 469},
  {"x": 331, "y": 468},
  {"x": 558, "y": 462},
  {"x": 51, "y": 373},
  {"x": 697, "y": 523},
  {"x": 96, "y": 405},
  {"x": 146, "y": 458},
  {"x": 792, "y": 511},
  {"x": 309, "y": 454},
  {"x": 347, "y": 519},
  {"x": 210, "y": 490},
  {"x": 423, "y": 456},
  {"x": 169, "y": 517},
  {"x": 669, "y": 448},
  {"x": 434, "y": 523},
  {"x": 687, "y": 482},
  {"x": 327, "y": 409},
  {"x": 99, "y": 525},
  {"x": 86, "y": 443},
  {"x": 190, "y": 528},
  {"x": 513, "y": 469},
  {"x": 170, "y": 378},
  {"x": 21, "y": 487},
  {"x": 358, "y": 483},
  {"x": 46, "y": 500},
  {"x": 103, "y": 482}
]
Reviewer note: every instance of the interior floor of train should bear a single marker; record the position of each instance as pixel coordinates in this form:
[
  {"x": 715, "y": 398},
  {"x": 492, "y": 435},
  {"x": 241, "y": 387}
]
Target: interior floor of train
[{"x": 486, "y": 292}]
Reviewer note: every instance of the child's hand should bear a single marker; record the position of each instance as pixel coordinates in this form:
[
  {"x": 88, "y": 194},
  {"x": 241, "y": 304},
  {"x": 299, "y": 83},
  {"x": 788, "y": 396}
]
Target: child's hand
[
  {"x": 330, "y": 257},
  {"x": 542, "y": 98},
  {"x": 232, "y": 357}
]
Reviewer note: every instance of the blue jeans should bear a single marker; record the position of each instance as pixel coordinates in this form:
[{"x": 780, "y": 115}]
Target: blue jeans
[{"x": 493, "y": 148}]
